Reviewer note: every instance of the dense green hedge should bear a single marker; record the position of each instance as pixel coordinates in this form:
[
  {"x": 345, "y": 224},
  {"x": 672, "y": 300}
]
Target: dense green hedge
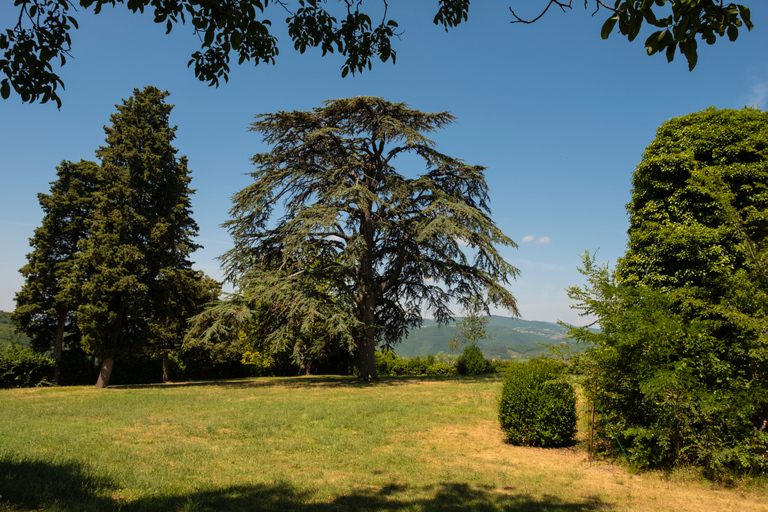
[
  {"x": 23, "y": 367},
  {"x": 473, "y": 362},
  {"x": 537, "y": 406}
]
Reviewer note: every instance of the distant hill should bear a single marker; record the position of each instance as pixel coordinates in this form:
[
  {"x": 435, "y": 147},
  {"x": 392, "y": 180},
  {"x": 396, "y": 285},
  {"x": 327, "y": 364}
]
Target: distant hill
[
  {"x": 513, "y": 338},
  {"x": 6, "y": 331}
]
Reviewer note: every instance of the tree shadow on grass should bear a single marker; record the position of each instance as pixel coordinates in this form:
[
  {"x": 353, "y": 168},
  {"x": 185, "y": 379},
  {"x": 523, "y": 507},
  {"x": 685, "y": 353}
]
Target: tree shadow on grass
[
  {"x": 41, "y": 485},
  {"x": 70, "y": 487},
  {"x": 315, "y": 381}
]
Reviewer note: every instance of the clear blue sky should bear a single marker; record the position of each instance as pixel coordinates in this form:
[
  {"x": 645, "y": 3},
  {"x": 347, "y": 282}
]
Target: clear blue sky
[{"x": 558, "y": 116}]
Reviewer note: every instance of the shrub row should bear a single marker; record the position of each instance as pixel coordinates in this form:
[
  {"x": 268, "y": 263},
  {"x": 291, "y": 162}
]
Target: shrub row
[{"x": 470, "y": 362}]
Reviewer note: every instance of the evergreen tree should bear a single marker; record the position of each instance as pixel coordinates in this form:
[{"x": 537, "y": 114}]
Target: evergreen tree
[
  {"x": 141, "y": 230},
  {"x": 46, "y": 303},
  {"x": 359, "y": 248},
  {"x": 186, "y": 293},
  {"x": 683, "y": 344}
]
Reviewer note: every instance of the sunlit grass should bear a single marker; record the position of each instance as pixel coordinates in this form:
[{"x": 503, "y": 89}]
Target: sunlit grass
[{"x": 304, "y": 444}]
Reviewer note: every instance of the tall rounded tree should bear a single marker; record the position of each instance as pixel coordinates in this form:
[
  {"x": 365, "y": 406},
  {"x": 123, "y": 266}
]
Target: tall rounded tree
[
  {"x": 352, "y": 231},
  {"x": 141, "y": 230},
  {"x": 683, "y": 344},
  {"x": 680, "y": 233}
]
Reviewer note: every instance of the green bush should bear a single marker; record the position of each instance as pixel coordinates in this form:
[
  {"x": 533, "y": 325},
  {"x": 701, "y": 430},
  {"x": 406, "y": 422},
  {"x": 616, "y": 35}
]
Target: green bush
[
  {"x": 501, "y": 365},
  {"x": 537, "y": 407},
  {"x": 23, "y": 367},
  {"x": 472, "y": 362},
  {"x": 437, "y": 369},
  {"x": 384, "y": 361},
  {"x": 417, "y": 366}
]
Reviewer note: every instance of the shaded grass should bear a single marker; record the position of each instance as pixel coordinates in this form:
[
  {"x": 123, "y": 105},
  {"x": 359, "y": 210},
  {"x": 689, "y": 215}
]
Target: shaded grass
[{"x": 306, "y": 444}]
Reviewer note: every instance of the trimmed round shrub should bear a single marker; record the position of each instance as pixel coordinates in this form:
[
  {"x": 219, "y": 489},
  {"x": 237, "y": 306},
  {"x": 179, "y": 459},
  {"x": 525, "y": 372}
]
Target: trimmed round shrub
[
  {"x": 537, "y": 406},
  {"x": 472, "y": 362}
]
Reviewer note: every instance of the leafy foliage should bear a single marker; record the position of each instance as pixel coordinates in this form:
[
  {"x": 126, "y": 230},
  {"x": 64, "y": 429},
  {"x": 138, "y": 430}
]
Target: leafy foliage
[
  {"x": 360, "y": 248},
  {"x": 682, "y": 352},
  {"x": 472, "y": 362},
  {"x": 537, "y": 407},
  {"x": 41, "y": 35},
  {"x": 472, "y": 326},
  {"x": 389, "y": 363},
  {"x": 23, "y": 367}
]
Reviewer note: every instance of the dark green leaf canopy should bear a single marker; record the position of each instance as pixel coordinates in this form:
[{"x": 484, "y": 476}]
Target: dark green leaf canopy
[
  {"x": 39, "y": 38},
  {"x": 679, "y": 233},
  {"x": 682, "y": 352},
  {"x": 328, "y": 208}
]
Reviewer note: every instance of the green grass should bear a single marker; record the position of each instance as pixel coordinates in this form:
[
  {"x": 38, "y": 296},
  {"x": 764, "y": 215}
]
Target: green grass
[{"x": 304, "y": 444}]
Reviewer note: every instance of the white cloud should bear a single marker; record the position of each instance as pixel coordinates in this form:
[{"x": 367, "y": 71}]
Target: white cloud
[
  {"x": 541, "y": 240},
  {"x": 759, "y": 95}
]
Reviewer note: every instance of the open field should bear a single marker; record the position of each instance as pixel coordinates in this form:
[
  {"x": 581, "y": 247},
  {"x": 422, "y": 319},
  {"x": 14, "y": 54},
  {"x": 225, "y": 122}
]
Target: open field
[{"x": 315, "y": 444}]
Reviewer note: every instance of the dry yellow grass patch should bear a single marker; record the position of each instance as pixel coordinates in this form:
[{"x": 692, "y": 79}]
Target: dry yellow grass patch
[{"x": 568, "y": 474}]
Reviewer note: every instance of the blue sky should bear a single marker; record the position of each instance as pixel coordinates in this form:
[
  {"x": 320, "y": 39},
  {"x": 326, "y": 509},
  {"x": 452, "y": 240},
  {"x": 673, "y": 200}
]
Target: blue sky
[{"x": 558, "y": 116}]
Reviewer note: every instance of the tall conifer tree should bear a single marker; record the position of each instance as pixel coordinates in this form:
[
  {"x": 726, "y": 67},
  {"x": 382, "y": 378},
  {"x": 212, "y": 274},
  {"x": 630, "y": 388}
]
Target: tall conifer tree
[
  {"x": 46, "y": 303},
  {"x": 361, "y": 250},
  {"x": 141, "y": 230}
]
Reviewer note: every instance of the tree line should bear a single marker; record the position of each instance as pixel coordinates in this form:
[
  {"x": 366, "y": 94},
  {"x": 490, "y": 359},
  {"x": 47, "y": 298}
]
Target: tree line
[{"x": 358, "y": 255}]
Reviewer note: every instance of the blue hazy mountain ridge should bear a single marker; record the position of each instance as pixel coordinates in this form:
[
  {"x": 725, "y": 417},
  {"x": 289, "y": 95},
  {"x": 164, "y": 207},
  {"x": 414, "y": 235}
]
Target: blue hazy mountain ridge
[
  {"x": 7, "y": 334},
  {"x": 510, "y": 338}
]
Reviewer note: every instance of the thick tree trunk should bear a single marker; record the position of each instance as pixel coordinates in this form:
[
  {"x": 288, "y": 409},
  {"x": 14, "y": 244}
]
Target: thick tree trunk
[
  {"x": 305, "y": 363},
  {"x": 106, "y": 364},
  {"x": 105, "y": 373},
  {"x": 366, "y": 350},
  {"x": 57, "y": 344},
  {"x": 166, "y": 367},
  {"x": 366, "y": 362}
]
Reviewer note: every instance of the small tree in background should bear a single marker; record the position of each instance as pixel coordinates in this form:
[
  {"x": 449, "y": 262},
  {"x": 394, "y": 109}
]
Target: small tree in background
[
  {"x": 186, "y": 293},
  {"x": 472, "y": 327}
]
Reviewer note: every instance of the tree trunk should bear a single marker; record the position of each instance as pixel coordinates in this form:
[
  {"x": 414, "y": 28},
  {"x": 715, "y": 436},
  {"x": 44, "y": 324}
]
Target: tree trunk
[
  {"x": 166, "y": 367},
  {"x": 106, "y": 364},
  {"x": 57, "y": 343},
  {"x": 366, "y": 362},
  {"x": 105, "y": 373}
]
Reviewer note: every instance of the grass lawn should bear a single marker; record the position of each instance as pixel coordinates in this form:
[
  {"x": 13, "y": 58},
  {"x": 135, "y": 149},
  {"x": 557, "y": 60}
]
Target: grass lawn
[{"x": 315, "y": 444}]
